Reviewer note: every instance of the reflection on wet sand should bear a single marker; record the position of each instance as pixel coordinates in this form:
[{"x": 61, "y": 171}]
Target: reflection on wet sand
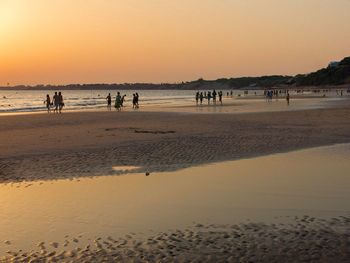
[{"x": 276, "y": 188}]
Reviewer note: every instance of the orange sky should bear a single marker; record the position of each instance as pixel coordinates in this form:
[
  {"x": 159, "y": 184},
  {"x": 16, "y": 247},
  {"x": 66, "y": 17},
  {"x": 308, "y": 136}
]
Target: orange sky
[{"x": 94, "y": 41}]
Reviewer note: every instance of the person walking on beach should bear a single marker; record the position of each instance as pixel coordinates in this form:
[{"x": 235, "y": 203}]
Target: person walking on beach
[
  {"x": 48, "y": 103},
  {"x": 118, "y": 101},
  {"x": 109, "y": 101},
  {"x": 55, "y": 102},
  {"x": 197, "y": 97},
  {"x": 123, "y": 99},
  {"x": 201, "y": 97},
  {"x": 220, "y": 97},
  {"x": 214, "y": 96},
  {"x": 60, "y": 102},
  {"x": 133, "y": 101},
  {"x": 209, "y": 97},
  {"x": 137, "y": 100},
  {"x": 287, "y": 98}
]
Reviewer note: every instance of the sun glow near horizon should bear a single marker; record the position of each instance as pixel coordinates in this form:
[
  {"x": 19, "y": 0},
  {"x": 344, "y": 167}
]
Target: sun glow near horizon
[{"x": 62, "y": 42}]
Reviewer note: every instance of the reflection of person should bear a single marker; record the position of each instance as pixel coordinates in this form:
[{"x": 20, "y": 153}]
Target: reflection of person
[{"x": 109, "y": 101}]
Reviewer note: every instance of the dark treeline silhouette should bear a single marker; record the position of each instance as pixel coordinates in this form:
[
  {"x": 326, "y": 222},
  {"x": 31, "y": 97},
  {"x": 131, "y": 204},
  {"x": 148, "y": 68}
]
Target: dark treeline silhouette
[{"x": 332, "y": 75}]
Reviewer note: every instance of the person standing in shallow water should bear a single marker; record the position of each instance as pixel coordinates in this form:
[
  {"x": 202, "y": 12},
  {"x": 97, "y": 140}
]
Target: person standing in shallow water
[
  {"x": 60, "y": 102},
  {"x": 109, "y": 101},
  {"x": 201, "y": 97},
  {"x": 197, "y": 97},
  {"x": 287, "y": 98},
  {"x": 209, "y": 97},
  {"x": 55, "y": 102},
  {"x": 214, "y": 96},
  {"x": 137, "y": 100},
  {"x": 133, "y": 101},
  {"x": 220, "y": 97},
  {"x": 118, "y": 101}
]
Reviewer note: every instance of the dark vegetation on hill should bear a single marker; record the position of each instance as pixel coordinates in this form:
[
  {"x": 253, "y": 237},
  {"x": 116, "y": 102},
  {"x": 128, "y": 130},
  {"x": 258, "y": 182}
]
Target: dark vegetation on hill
[
  {"x": 331, "y": 76},
  {"x": 337, "y": 75}
]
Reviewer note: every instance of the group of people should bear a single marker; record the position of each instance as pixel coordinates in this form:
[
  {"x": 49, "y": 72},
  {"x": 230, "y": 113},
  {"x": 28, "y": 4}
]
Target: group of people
[
  {"x": 200, "y": 96},
  {"x": 269, "y": 94},
  {"x": 119, "y": 101},
  {"x": 56, "y": 102}
]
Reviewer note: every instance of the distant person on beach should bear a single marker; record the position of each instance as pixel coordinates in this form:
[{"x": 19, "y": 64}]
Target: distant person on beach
[
  {"x": 197, "y": 97},
  {"x": 55, "y": 102},
  {"x": 118, "y": 102},
  {"x": 48, "y": 103},
  {"x": 201, "y": 97},
  {"x": 137, "y": 100},
  {"x": 287, "y": 98},
  {"x": 133, "y": 101},
  {"x": 214, "y": 96},
  {"x": 209, "y": 97},
  {"x": 60, "y": 102},
  {"x": 220, "y": 97},
  {"x": 109, "y": 101},
  {"x": 123, "y": 99}
]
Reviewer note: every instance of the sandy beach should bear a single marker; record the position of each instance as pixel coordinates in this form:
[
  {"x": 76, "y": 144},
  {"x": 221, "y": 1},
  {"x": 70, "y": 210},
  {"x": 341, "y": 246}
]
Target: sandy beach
[
  {"x": 80, "y": 144},
  {"x": 294, "y": 210},
  {"x": 289, "y": 211}
]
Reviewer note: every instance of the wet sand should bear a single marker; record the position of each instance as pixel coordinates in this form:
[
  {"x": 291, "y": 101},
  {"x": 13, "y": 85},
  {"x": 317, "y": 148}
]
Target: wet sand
[
  {"x": 306, "y": 239},
  {"x": 290, "y": 207},
  {"x": 80, "y": 144}
]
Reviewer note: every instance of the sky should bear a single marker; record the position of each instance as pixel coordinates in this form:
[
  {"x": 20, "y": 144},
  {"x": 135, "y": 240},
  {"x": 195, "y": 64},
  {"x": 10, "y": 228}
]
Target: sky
[{"x": 118, "y": 41}]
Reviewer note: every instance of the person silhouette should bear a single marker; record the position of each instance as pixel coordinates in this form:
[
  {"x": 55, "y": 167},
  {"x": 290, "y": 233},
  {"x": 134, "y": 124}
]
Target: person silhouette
[
  {"x": 118, "y": 101},
  {"x": 56, "y": 102},
  {"x": 109, "y": 101}
]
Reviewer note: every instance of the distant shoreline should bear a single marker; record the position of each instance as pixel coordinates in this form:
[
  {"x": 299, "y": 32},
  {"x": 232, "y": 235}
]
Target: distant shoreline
[{"x": 163, "y": 87}]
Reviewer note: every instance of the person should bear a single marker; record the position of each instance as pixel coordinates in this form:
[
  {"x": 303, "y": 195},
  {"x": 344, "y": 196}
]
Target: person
[
  {"x": 60, "y": 102},
  {"x": 133, "y": 101},
  {"x": 55, "y": 102},
  {"x": 118, "y": 101},
  {"x": 137, "y": 100},
  {"x": 214, "y": 96},
  {"x": 48, "y": 103},
  {"x": 209, "y": 97},
  {"x": 287, "y": 98},
  {"x": 220, "y": 97},
  {"x": 123, "y": 99},
  {"x": 197, "y": 97},
  {"x": 109, "y": 101},
  {"x": 201, "y": 97}
]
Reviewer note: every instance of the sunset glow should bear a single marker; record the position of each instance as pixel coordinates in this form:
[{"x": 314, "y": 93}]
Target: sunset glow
[{"x": 89, "y": 41}]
